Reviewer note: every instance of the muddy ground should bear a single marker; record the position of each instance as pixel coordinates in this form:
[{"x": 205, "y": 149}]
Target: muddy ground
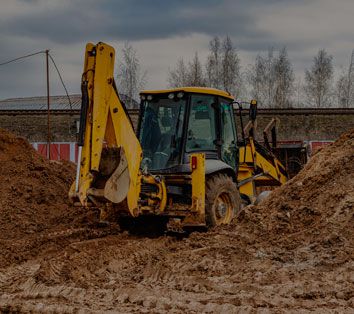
[{"x": 293, "y": 253}]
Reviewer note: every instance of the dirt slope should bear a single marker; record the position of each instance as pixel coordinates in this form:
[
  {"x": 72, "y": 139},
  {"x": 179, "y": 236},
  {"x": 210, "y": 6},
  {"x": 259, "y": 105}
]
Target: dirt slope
[
  {"x": 293, "y": 253},
  {"x": 34, "y": 207}
]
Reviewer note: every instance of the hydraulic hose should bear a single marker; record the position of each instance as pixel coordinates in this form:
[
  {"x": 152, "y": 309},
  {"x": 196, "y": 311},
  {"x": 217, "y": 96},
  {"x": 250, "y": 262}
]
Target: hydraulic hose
[
  {"x": 82, "y": 126},
  {"x": 83, "y": 113}
]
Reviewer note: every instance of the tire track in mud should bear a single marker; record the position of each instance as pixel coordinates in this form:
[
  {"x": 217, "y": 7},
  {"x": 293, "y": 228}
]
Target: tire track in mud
[
  {"x": 169, "y": 280},
  {"x": 293, "y": 252}
]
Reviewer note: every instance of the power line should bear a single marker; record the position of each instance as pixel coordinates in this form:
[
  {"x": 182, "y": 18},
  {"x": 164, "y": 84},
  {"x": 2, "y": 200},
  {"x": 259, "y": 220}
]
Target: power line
[
  {"x": 56, "y": 68},
  {"x": 61, "y": 79},
  {"x": 23, "y": 57},
  {"x": 46, "y": 52}
]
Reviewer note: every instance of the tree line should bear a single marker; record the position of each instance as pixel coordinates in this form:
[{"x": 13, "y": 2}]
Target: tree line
[{"x": 270, "y": 79}]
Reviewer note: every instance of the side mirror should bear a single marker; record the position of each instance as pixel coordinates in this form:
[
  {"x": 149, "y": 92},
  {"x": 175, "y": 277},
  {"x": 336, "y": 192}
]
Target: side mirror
[{"x": 253, "y": 110}]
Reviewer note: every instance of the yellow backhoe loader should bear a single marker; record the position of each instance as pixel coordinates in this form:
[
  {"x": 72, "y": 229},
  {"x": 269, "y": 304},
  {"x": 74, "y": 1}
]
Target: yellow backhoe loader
[{"x": 184, "y": 166}]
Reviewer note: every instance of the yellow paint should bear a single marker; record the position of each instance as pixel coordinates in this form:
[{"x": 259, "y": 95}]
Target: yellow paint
[
  {"x": 199, "y": 90},
  {"x": 107, "y": 124},
  {"x": 251, "y": 162},
  {"x": 158, "y": 199},
  {"x": 249, "y": 189},
  {"x": 85, "y": 179},
  {"x": 198, "y": 184}
]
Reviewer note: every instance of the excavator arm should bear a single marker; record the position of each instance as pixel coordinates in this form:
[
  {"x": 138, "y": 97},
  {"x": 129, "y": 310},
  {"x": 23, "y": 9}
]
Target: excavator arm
[{"x": 109, "y": 151}]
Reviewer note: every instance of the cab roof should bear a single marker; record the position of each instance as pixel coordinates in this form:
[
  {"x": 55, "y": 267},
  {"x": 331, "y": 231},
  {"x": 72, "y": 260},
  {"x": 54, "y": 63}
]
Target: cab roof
[{"x": 199, "y": 90}]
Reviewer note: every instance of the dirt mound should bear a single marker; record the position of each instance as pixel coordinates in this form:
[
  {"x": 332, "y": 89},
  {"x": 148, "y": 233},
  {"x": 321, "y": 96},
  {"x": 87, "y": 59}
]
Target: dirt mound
[
  {"x": 34, "y": 207},
  {"x": 324, "y": 188},
  {"x": 293, "y": 252},
  {"x": 316, "y": 204},
  {"x": 32, "y": 190}
]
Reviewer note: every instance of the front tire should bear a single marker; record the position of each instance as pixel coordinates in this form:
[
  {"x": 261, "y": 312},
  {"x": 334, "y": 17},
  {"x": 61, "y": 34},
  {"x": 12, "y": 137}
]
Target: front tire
[{"x": 222, "y": 200}]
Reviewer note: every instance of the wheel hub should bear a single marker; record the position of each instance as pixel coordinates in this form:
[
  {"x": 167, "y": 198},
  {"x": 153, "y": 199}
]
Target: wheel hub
[{"x": 222, "y": 208}]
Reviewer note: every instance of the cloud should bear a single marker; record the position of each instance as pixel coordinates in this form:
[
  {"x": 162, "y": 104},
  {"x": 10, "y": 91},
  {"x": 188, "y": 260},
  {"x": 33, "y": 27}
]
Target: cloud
[
  {"x": 72, "y": 21},
  {"x": 162, "y": 31}
]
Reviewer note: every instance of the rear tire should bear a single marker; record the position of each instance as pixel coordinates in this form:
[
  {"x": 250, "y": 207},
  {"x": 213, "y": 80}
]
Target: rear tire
[{"x": 222, "y": 200}]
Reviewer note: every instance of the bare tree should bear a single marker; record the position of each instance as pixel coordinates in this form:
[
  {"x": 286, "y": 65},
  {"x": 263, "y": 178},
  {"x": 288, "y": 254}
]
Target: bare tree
[
  {"x": 213, "y": 64},
  {"x": 284, "y": 80},
  {"x": 131, "y": 79},
  {"x": 231, "y": 76},
  {"x": 191, "y": 75},
  {"x": 262, "y": 78},
  {"x": 223, "y": 66},
  {"x": 342, "y": 94},
  {"x": 272, "y": 79},
  {"x": 179, "y": 76},
  {"x": 299, "y": 94},
  {"x": 195, "y": 73},
  {"x": 222, "y": 69},
  {"x": 318, "y": 80},
  {"x": 257, "y": 79},
  {"x": 350, "y": 92},
  {"x": 345, "y": 90}
]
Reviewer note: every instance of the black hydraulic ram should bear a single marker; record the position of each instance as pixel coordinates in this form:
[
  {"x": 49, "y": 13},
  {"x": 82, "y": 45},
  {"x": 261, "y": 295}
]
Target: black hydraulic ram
[{"x": 82, "y": 126}]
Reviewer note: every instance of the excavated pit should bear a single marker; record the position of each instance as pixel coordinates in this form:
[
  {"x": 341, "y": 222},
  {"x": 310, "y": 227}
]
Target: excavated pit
[{"x": 292, "y": 253}]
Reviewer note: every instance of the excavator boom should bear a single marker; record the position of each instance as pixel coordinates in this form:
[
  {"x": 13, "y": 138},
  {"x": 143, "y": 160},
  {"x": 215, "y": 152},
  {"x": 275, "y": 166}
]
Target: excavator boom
[{"x": 105, "y": 130}]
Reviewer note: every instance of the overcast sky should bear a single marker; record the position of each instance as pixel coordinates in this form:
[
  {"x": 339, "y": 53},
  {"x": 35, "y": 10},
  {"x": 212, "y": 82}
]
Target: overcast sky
[{"x": 162, "y": 31}]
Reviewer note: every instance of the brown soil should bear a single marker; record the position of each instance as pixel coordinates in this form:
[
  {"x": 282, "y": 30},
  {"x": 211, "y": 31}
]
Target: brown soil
[{"x": 293, "y": 253}]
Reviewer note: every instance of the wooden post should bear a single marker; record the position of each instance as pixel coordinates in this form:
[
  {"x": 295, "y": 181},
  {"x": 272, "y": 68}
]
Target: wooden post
[{"x": 48, "y": 105}]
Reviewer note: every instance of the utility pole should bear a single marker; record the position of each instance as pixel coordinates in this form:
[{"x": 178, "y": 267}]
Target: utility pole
[
  {"x": 48, "y": 97},
  {"x": 48, "y": 104}
]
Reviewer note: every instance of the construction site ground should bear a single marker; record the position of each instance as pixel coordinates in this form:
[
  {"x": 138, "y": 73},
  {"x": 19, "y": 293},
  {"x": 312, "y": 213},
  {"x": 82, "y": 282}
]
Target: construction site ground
[{"x": 293, "y": 253}]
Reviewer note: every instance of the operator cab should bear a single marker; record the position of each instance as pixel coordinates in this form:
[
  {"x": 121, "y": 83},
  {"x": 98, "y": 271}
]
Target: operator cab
[{"x": 175, "y": 123}]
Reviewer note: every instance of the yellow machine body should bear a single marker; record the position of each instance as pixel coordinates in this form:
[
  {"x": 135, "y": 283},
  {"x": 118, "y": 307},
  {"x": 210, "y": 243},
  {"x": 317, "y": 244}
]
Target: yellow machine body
[
  {"x": 191, "y": 89},
  {"x": 108, "y": 130},
  {"x": 107, "y": 126},
  {"x": 110, "y": 171}
]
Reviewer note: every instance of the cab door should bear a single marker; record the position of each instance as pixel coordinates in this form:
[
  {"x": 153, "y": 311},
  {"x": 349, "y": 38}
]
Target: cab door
[{"x": 229, "y": 150}]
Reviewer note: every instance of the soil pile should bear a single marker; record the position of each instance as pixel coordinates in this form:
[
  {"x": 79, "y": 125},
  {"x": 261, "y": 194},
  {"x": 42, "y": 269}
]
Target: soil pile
[
  {"x": 32, "y": 189},
  {"x": 316, "y": 204},
  {"x": 34, "y": 206},
  {"x": 293, "y": 252}
]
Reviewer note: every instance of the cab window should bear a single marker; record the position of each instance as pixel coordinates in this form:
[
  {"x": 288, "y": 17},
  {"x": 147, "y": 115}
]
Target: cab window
[{"x": 201, "y": 133}]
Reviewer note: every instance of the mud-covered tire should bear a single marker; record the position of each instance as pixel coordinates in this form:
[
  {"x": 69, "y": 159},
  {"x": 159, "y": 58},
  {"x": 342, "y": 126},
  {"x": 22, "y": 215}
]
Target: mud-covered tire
[{"x": 222, "y": 200}]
